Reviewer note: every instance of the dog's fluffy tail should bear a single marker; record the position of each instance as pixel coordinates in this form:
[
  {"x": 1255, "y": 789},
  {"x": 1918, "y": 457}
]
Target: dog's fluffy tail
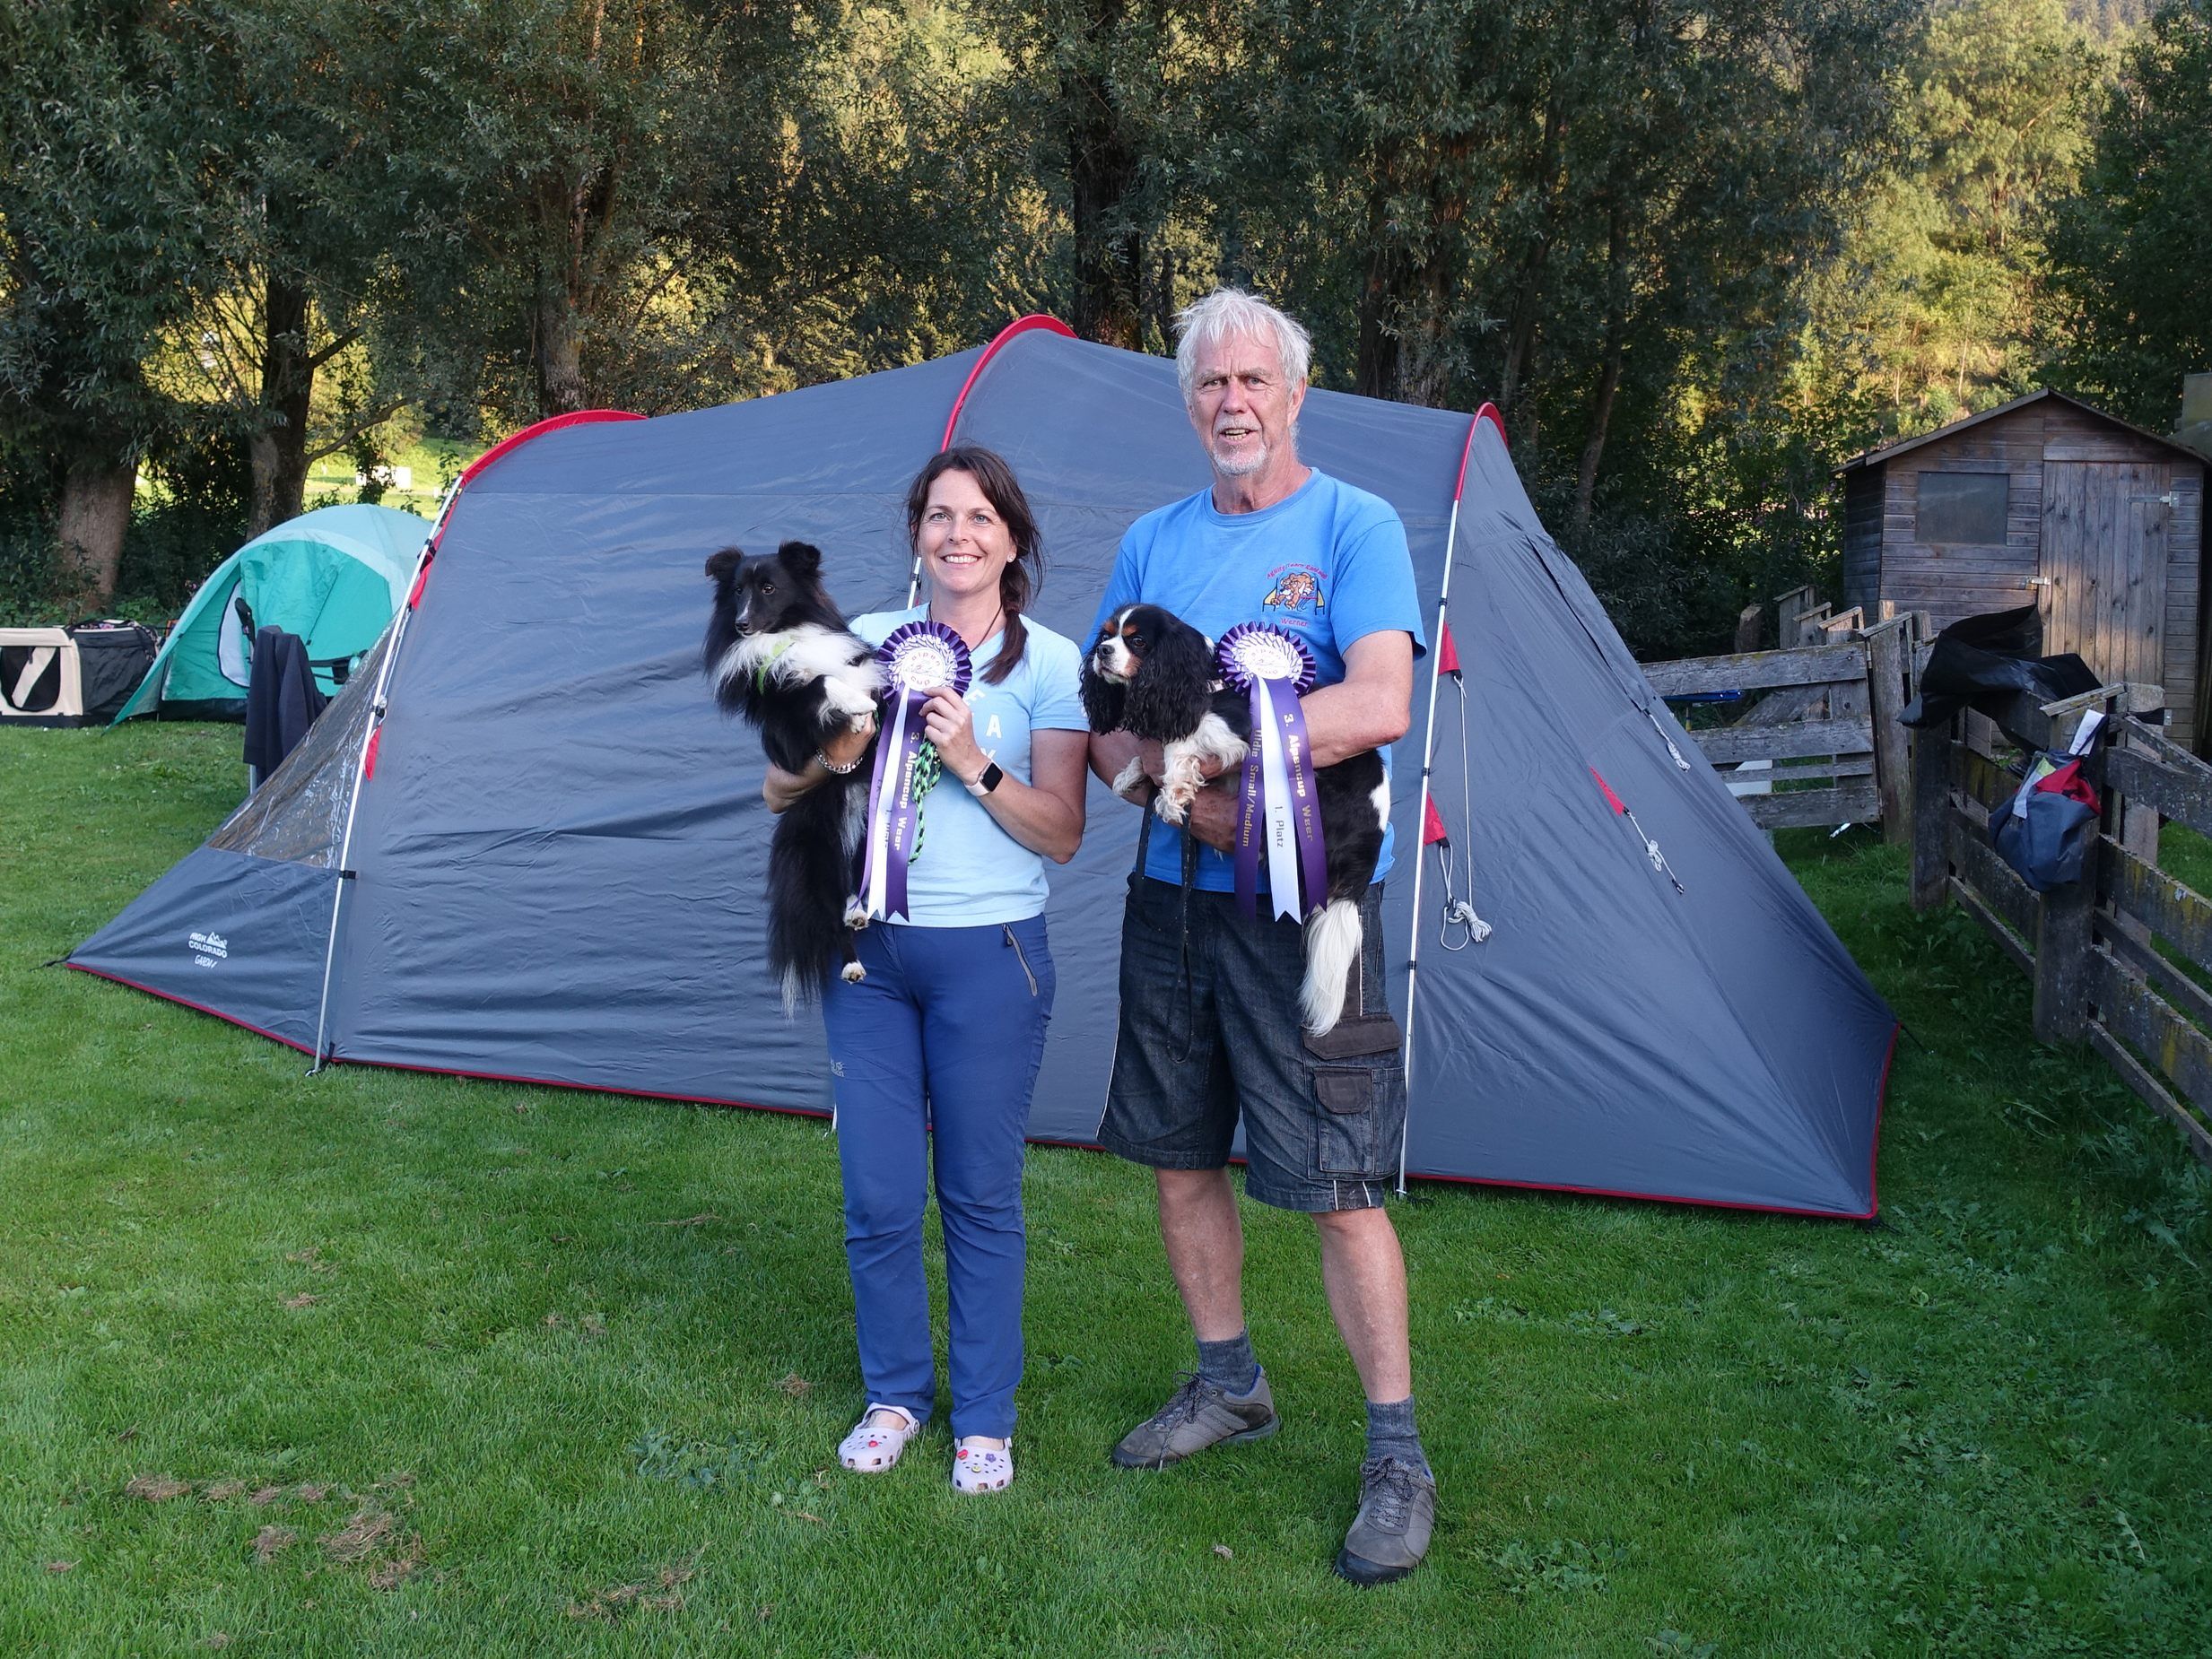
[
  {"x": 809, "y": 873},
  {"x": 1333, "y": 940}
]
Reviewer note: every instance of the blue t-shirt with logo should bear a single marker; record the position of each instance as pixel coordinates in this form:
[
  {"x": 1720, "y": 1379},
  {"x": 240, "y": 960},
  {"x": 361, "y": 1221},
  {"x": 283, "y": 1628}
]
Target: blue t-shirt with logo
[
  {"x": 1329, "y": 563},
  {"x": 969, "y": 871}
]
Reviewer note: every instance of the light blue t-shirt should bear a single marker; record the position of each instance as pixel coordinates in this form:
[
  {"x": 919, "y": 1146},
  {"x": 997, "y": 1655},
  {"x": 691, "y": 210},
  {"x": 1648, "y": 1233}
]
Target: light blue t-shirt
[
  {"x": 1329, "y": 563},
  {"x": 970, "y": 873}
]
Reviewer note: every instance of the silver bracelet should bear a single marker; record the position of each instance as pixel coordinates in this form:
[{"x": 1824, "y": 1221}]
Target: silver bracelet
[{"x": 828, "y": 765}]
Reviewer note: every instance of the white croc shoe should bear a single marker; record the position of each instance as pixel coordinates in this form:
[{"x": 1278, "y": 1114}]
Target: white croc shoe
[
  {"x": 878, "y": 1440},
  {"x": 982, "y": 1468}
]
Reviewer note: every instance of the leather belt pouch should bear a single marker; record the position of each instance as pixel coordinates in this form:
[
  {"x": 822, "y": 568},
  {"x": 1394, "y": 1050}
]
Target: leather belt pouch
[{"x": 1355, "y": 1037}]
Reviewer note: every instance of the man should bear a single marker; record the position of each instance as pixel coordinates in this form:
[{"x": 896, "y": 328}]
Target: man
[{"x": 1209, "y": 999}]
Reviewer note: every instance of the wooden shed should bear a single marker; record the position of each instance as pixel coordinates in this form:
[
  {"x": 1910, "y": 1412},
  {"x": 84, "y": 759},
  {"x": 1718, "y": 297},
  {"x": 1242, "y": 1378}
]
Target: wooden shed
[{"x": 2101, "y": 521}]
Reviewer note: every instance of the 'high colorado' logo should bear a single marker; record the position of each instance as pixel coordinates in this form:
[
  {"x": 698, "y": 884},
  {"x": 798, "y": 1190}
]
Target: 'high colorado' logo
[
  {"x": 1293, "y": 588},
  {"x": 208, "y": 948}
]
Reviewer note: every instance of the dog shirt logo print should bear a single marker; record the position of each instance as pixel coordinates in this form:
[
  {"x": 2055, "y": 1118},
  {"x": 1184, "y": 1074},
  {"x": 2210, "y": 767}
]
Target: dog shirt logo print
[{"x": 1291, "y": 588}]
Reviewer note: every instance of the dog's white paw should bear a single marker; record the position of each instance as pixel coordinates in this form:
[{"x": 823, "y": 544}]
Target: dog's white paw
[
  {"x": 852, "y": 973},
  {"x": 861, "y": 720},
  {"x": 1174, "y": 804},
  {"x": 1127, "y": 780},
  {"x": 856, "y": 915}
]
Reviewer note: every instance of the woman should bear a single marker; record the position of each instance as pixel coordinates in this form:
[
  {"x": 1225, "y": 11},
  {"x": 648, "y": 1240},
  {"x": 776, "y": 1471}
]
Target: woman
[{"x": 942, "y": 1040}]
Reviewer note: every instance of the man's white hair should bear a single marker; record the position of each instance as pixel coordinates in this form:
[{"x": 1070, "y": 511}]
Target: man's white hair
[{"x": 1231, "y": 311}]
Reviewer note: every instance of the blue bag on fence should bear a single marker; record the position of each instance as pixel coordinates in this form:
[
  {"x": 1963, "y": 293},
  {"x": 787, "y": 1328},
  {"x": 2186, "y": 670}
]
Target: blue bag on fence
[{"x": 2044, "y": 830}]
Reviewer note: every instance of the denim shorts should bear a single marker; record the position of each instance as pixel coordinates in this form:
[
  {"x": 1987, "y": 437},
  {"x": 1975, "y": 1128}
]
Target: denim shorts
[{"x": 1209, "y": 1031}]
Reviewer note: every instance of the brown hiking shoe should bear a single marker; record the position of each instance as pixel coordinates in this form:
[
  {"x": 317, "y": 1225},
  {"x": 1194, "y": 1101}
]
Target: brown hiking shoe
[
  {"x": 1390, "y": 1534},
  {"x": 1198, "y": 1415}
]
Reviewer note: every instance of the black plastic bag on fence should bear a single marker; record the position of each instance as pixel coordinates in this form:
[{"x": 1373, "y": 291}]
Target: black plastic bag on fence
[
  {"x": 1984, "y": 663},
  {"x": 2044, "y": 828}
]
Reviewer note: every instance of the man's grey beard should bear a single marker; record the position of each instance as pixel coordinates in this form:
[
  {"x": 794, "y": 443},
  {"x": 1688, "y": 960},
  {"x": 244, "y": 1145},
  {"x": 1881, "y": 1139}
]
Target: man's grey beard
[
  {"x": 1243, "y": 466},
  {"x": 1257, "y": 462}
]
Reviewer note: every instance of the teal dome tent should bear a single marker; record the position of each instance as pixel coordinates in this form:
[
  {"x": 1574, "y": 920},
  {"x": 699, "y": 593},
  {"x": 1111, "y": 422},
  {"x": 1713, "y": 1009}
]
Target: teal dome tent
[{"x": 333, "y": 577}]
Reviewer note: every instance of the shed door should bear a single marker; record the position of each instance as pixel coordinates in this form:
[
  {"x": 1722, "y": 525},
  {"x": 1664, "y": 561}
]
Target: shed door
[{"x": 2105, "y": 566}]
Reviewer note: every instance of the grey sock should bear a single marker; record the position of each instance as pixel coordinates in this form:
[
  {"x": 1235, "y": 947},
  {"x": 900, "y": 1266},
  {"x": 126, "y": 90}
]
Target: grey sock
[
  {"x": 1230, "y": 1364},
  {"x": 1391, "y": 1432}
]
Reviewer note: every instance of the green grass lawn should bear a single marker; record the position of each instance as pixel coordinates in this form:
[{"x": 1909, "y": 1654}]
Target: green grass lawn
[
  {"x": 384, "y": 1363},
  {"x": 432, "y": 463}
]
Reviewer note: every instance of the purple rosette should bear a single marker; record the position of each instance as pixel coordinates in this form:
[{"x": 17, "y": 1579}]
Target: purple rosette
[
  {"x": 1281, "y": 804},
  {"x": 917, "y": 658},
  {"x": 1254, "y": 651}
]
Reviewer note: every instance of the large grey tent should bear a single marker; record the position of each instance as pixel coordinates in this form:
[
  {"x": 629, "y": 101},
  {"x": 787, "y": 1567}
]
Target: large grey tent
[{"x": 552, "y": 844}]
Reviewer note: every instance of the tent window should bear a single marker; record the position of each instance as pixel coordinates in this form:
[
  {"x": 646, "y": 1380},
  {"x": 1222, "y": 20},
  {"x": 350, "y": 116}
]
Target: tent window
[
  {"x": 1961, "y": 509},
  {"x": 298, "y": 815}
]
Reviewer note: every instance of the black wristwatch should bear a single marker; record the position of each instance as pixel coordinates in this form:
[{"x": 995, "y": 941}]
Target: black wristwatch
[{"x": 989, "y": 780}]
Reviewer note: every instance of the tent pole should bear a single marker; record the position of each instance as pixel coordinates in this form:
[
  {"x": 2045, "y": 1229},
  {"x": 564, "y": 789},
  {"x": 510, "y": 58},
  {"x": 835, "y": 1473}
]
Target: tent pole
[
  {"x": 1428, "y": 760},
  {"x": 360, "y": 761}
]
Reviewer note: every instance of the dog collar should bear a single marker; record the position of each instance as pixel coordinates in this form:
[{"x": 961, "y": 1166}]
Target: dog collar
[{"x": 759, "y": 674}]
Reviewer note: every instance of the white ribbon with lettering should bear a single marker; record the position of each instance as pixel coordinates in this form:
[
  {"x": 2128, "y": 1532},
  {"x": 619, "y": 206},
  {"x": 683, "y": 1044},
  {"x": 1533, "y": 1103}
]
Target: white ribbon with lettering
[{"x": 1282, "y": 837}]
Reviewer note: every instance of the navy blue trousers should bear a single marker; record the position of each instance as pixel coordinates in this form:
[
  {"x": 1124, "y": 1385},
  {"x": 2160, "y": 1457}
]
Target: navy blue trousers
[{"x": 937, "y": 1050}]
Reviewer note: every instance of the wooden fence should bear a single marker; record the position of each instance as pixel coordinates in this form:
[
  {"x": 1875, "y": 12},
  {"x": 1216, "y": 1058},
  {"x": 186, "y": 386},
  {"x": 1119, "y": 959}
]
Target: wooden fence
[
  {"x": 2121, "y": 959},
  {"x": 1819, "y": 740}
]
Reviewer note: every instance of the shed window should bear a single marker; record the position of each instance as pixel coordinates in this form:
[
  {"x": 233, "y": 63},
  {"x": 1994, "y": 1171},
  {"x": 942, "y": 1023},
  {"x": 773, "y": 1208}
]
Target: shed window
[{"x": 1961, "y": 508}]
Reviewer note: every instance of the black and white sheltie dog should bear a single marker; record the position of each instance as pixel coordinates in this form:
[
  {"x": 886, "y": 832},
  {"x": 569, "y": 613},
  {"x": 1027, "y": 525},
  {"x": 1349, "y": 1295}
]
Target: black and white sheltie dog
[
  {"x": 780, "y": 654},
  {"x": 1151, "y": 674}
]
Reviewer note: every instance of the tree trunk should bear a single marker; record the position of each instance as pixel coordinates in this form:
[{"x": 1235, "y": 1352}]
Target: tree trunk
[
  {"x": 1529, "y": 299},
  {"x": 1102, "y": 176},
  {"x": 95, "y": 513},
  {"x": 559, "y": 351},
  {"x": 1424, "y": 368},
  {"x": 1379, "y": 365},
  {"x": 1405, "y": 303},
  {"x": 1594, "y": 445},
  {"x": 1164, "y": 303},
  {"x": 1610, "y": 375},
  {"x": 575, "y": 217},
  {"x": 278, "y": 447}
]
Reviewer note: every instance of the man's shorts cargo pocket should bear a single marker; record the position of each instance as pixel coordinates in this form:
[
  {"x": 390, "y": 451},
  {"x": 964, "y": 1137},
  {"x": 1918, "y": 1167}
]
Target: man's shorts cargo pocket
[{"x": 1345, "y": 1124}]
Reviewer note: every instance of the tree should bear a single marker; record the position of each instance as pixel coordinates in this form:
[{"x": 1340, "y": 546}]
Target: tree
[
  {"x": 1118, "y": 101},
  {"x": 315, "y": 178},
  {"x": 1929, "y": 313},
  {"x": 1561, "y": 203},
  {"x": 2130, "y": 300},
  {"x": 101, "y": 211}
]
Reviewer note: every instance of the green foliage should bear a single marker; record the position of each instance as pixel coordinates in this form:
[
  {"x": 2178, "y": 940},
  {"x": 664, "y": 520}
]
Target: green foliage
[
  {"x": 189, "y": 521},
  {"x": 1929, "y": 314},
  {"x": 1699, "y": 254},
  {"x": 101, "y": 217},
  {"x": 2132, "y": 255},
  {"x": 1603, "y": 217}
]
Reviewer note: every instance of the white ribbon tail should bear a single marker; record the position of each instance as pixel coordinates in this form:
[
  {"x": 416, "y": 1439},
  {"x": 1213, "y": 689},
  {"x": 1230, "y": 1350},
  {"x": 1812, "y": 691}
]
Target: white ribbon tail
[
  {"x": 879, "y": 823},
  {"x": 1281, "y": 837}
]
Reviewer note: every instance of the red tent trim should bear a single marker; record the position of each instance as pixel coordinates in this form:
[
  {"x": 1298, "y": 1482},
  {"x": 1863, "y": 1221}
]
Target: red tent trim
[
  {"x": 1030, "y": 324},
  {"x": 538, "y": 429},
  {"x": 1488, "y": 411}
]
